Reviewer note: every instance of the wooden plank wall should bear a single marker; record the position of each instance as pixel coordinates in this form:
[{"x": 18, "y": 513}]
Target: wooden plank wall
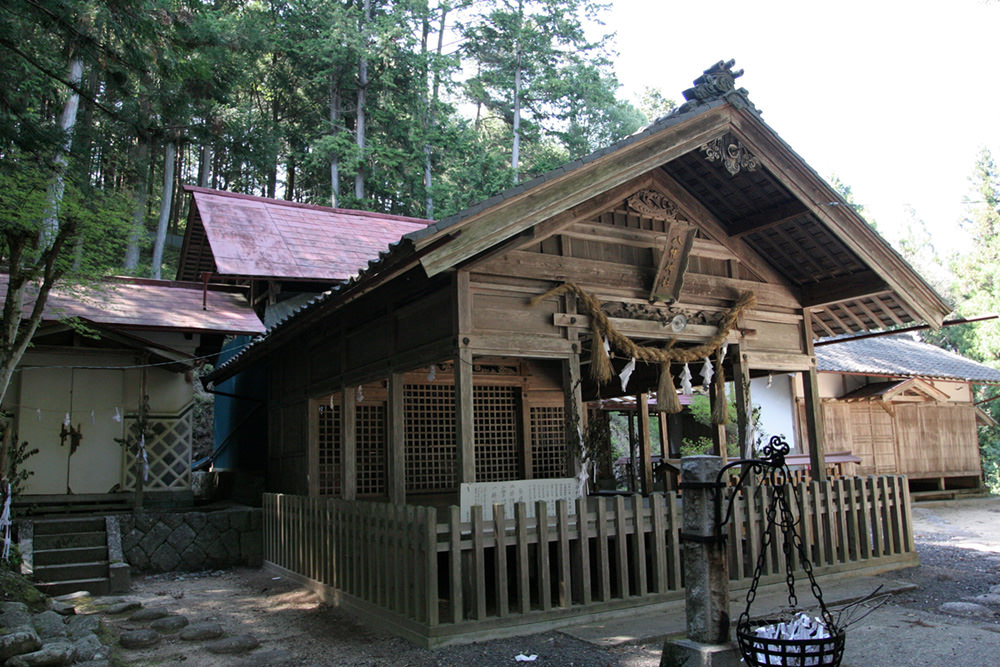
[
  {"x": 916, "y": 440},
  {"x": 610, "y": 553}
]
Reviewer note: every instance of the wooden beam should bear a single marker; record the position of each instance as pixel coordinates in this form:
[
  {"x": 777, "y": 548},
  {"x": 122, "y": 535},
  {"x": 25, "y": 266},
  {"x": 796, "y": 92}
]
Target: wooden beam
[
  {"x": 836, "y": 290},
  {"x": 349, "y": 443},
  {"x": 464, "y": 426},
  {"x": 396, "y": 442},
  {"x": 645, "y": 453},
  {"x": 313, "y": 451},
  {"x": 769, "y": 217}
]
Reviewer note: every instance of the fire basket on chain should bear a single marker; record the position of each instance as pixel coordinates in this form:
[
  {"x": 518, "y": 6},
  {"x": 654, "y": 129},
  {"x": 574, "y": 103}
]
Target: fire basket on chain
[{"x": 797, "y": 639}]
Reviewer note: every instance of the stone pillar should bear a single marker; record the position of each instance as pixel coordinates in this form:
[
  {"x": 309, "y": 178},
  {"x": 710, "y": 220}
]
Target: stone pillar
[
  {"x": 706, "y": 573},
  {"x": 705, "y": 561}
]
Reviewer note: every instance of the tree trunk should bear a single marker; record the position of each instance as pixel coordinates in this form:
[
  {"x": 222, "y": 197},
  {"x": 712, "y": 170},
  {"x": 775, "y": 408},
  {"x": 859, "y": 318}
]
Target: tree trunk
[
  {"x": 334, "y": 128},
  {"x": 205, "y": 173},
  {"x": 141, "y": 185},
  {"x": 67, "y": 121},
  {"x": 359, "y": 130},
  {"x": 165, "y": 205}
]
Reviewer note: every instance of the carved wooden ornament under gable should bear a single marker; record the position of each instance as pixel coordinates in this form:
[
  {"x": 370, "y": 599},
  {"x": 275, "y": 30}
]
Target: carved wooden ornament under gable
[
  {"x": 734, "y": 155},
  {"x": 653, "y": 204}
]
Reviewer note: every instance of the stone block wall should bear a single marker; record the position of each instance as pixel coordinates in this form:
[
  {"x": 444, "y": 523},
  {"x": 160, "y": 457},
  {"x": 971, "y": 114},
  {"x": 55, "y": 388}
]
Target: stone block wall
[{"x": 155, "y": 541}]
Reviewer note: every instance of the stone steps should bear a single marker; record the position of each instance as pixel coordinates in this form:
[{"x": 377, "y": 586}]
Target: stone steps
[{"x": 70, "y": 554}]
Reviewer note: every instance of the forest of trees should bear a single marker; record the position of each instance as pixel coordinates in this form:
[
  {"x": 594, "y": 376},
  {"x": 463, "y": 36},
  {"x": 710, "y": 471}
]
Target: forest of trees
[{"x": 413, "y": 107}]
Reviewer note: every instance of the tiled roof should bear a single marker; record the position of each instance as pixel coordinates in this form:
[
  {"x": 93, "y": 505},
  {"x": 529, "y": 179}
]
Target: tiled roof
[
  {"x": 270, "y": 238},
  {"x": 129, "y": 303},
  {"x": 900, "y": 356}
]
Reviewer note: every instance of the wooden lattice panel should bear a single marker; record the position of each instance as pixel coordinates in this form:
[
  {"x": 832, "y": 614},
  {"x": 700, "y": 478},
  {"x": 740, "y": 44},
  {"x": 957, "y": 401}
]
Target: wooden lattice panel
[
  {"x": 429, "y": 413},
  {"x": 168, "y": 451},
  {"x": 548, "y": 442},
  {"x": 495, "y": 422},
  {"x": 371, "y": 446},
  {"x": 329, "y": 450}
]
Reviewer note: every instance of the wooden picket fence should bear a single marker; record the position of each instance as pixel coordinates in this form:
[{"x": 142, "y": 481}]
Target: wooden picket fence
[{"x": 433, "y": 578}]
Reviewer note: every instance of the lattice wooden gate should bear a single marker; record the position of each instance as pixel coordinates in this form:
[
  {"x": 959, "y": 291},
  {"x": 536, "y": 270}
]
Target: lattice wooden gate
[{"x": 168, "y": 451}]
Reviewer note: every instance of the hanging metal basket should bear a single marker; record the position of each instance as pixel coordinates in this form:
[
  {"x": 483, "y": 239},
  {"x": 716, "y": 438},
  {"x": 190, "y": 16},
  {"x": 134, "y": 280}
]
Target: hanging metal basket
[
  {"x": 761, "y": 651},
  {"x": 758, "y": 650}
]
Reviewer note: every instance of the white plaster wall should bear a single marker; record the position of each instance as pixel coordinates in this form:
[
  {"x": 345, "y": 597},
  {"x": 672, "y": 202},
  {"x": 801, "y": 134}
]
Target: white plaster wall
[{"x": 777, "y": 406}]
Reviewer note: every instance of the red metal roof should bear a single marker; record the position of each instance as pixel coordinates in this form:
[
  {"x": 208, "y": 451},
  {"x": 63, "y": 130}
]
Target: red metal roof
[
  {"x": 270, "y": 238},
  {"x": 131, "y": 303}
]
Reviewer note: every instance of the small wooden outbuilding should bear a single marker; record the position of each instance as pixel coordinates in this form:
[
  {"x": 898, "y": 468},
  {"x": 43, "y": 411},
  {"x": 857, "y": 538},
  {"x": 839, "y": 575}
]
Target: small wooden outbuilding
[
  {"x": 79, "y": 390},
  {"x": 448, "y": 378},
  {"x": 904, "y": 407}
]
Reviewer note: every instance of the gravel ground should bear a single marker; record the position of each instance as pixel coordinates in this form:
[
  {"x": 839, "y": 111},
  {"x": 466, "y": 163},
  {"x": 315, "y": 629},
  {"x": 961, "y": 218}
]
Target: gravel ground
[{"x": 958, "y": 544}]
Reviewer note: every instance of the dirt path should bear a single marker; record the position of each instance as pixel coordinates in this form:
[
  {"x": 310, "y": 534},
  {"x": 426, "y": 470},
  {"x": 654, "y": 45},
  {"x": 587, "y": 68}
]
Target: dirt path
[{"x": 958, "y": 542}]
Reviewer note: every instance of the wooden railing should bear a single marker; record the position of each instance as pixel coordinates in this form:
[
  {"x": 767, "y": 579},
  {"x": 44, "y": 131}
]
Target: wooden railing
[{"x": 433, "y": 577}]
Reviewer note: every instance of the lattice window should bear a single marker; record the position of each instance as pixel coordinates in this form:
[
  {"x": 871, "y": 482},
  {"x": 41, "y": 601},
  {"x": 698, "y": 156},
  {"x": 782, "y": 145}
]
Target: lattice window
[
  {"x": 329, "y": 450},
  {"x": 548, "y": 442},
  {"x": 168, "y": 452},
  {"x": 495, "y": 418},
  {"x": 371, "y": 450},
  {"x": 429, "y": 411}
]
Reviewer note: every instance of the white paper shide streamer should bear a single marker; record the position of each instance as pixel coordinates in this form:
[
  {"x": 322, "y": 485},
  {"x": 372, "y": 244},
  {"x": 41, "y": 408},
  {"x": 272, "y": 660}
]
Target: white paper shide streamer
[
  {"x": 5, "y": 524},
  {"x": 627, "y": 373},
  {"x": 145, "y": 460},
  {"x": 686, "y": 387},
  {"x": 707, "y": 371}
]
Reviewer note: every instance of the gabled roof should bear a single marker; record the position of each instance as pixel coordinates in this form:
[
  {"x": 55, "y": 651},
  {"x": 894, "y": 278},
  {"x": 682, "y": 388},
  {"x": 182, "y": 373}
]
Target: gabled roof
[
  {"x": 240, "y": 236},
  {"x": 900, "y": 356},
  {"x": 149, "y": 305},
  {"x": 731, "y": 174},
  {"x": 745, "y": 187}
]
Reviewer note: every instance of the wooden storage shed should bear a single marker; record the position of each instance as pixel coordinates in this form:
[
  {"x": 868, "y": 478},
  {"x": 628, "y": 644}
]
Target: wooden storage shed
[
  {"x": 448, "y": 377},
  {"x": 904, "y": 407}
]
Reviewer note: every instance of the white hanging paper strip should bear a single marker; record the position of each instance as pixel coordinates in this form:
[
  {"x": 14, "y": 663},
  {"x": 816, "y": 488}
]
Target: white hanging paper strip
[
  {"x": 627, "y": 373},
  {"x": 38, "y": 414},
  {"x": 331, "y": 401},
  {"x": 5, "y": 524},
  {"x": 92, "y": 419},
  {"x": 117, "y": 417},
  {"x": 145, "y": 459},
  {"x": 607, "y": 346},
  {"x": 725, "y": 348},
  {"x": 431, "y": 373},
  {"x": 686, "y": 387},
  {"x": 66, "y": 420},
  {"x": 706, "y": 373},
  {"x": 361, "y": 394}
]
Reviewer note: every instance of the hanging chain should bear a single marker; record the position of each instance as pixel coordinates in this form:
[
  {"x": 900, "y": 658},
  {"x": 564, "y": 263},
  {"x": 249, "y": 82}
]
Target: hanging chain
[{"x": 791, "y": 545}]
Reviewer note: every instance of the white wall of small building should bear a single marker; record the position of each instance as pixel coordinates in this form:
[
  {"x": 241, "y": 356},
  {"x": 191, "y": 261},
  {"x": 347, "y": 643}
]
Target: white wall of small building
[{"x": 775, "y": 396}]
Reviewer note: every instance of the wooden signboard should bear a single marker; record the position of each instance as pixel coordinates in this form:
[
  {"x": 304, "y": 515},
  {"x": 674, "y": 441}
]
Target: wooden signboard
[{"x": 527, "y": 491}]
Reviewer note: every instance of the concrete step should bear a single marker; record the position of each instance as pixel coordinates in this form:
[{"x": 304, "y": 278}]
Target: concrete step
[
  {"x": 70, "y": 540},
  {"x": 71, "y": 555},
  {"x": 71, "y": 571},
  {"x": 86, "y": 524},
  {"x": 95, "y": 586}
]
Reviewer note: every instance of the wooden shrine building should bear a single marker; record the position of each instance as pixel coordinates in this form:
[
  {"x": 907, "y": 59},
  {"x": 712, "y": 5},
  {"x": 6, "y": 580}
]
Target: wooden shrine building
[{"x": 448, "y": 378}]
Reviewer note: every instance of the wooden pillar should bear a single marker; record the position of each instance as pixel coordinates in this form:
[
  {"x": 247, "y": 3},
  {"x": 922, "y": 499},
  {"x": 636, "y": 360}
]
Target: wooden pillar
[
  {"x": 631, "y": 452},
  {"x": 348, "y": 443},
  {"x": 313, "y": 451},
  {"x": 645, "y": 453},
  {"x": 464, "y": 428},
  {"x": 741, "y": 393},
  {"x": 573, "y": 409},
  {"x": 396, "y": 442},
  {"x": 814, "y": 411}
]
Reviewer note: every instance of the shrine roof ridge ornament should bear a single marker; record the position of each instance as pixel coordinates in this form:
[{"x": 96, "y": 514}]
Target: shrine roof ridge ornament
[{"x": 716, "y": 83}]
